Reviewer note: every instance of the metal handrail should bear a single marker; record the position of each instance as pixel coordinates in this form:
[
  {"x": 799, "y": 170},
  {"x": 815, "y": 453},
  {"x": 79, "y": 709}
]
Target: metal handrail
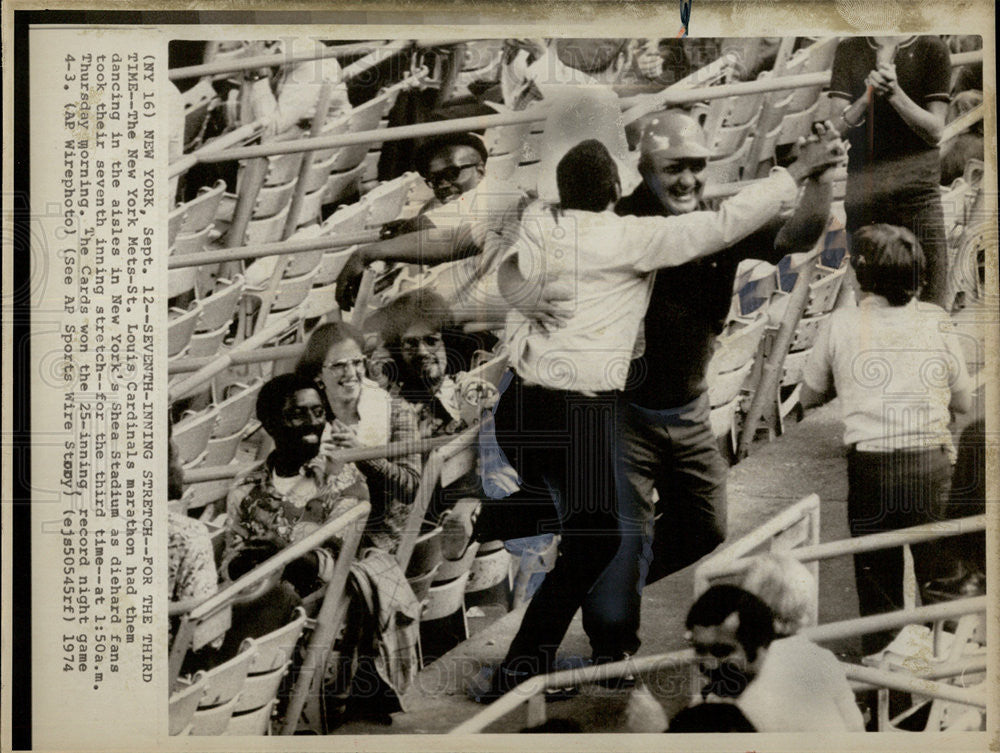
[
  {"x": 634, "y": 107},
  {"x": 534, "y": 687}
]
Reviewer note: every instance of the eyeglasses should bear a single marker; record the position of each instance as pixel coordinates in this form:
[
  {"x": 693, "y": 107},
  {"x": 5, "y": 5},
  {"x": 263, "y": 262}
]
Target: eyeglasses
[
  {"x": 449, "y": 174},
  {"x": 412, "y": 343},
  {"x": 339, "y": 368}
]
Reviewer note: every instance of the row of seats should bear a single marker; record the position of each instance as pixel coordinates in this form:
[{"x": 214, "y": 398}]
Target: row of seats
[{"x": 237, "y": 697}]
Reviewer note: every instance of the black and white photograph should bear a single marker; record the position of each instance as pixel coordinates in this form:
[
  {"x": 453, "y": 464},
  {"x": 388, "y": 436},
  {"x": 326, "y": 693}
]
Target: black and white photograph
[{"x": 468, "y": 382}]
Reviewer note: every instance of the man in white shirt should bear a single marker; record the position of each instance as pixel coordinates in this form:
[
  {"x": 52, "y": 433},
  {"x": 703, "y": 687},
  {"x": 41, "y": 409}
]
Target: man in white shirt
[{"x": 556, "y": 421}]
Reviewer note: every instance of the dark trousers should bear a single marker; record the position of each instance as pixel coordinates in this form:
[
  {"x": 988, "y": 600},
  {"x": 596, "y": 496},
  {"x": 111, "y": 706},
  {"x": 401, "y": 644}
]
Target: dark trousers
[
  {"x": 888, "y": 491},
  {"x": 918, "y": 210},
  {"x": 562, "y": 445},
  {"x": 675, "y": 452}
]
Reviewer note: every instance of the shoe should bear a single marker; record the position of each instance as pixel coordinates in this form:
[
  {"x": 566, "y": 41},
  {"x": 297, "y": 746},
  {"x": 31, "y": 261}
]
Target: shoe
[
  {"x": 492, "y": 682},
  {"x": 625, "y": 681}
]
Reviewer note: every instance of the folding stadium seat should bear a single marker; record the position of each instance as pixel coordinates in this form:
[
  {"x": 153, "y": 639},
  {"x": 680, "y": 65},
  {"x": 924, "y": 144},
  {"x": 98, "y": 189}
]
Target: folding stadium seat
[
  {"x": 283, "y": 168},
  {"x": 342, "y": 184},
  {"x": 198, "y": 100},
  {"x": 219, "y": 305},
  {"x": 727, "y": 140},
  {"x": 204, "y": 344},
  {"x": 385, "y": 202},
  {"x": 237, "y": 407},
  {"x": 184, "y": 701},
  {"x": 812, "y": 59},
  {"x": 182, "y": 325},
  {"x": 510, "y": 139},
  {"x": 798, "y": 125},
  {"x": 225, "y": 683},
  {"x": 181, "y": 281},
  {"x": 729, "y": 169},
  {"x": 490, "y": 569},
  {"x": 191, "y": 435},
  {"x": 192, "y": 243},
  {"x": 199, "y": 212}
]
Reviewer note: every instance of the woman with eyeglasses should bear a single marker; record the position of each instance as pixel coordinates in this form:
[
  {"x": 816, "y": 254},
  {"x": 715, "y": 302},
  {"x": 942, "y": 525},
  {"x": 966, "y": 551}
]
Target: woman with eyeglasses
[{"x": 362, "y": 414}]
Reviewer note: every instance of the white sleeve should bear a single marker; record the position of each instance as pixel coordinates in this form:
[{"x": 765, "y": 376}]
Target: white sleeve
[
  {"x": 656, "y": 242},
  {"x": 818, "y": 371}
]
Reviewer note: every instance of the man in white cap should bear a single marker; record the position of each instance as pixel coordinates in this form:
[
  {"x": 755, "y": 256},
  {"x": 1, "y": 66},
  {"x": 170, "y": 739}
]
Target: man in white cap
[
  {"x": 557, "y": 420},
  {"x": 666, "y": 437}
]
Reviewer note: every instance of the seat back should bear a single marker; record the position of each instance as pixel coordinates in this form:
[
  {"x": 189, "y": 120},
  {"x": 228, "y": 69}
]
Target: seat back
[
  {"x": 421, "y": 584},
  {"x": 180, "y": 329},
  {"x": 275, "y": 648},
  {"x": 272, "y": 199},
  {"x": 451, "y": 569},
  {"x": 341, "y": 184},
  {"x": 737, "y": 347},
  {"x": 444, "y": 599},
  {"x": 488, "y": 570},
  {"x": 214, "y": 720},
  {"x": 222, "y": 450},
  {"x": 237, "y": 407},
  {"x": 205, "y": 344},
  {"x": 385, "y": 202},
  {"x": 426, "y": 554},
  {"x": 191, "y": 435},
  {"x": 199, "y": 213},
  {"x": 184, "y": 701},
  {"x": 218, "y": 309},
  {"x": 193, "y": 242},
  {"x": 282, "y": 168},
  {"x": 181, "y": 280},
  {"x": 250, "y": 723},
  {"x": 225, "y": 682},
  {"x": 260, "y": 690},
  {"x": 266, "y": 230}
]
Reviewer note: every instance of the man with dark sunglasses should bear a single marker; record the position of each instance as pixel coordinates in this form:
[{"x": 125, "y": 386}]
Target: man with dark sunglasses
[{"x": 458, "y": 232}]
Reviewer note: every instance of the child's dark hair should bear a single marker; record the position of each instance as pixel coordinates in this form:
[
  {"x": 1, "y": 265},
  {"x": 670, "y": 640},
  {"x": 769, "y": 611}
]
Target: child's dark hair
[
  {"x": 888, "y": 261},
  {"x": 587, "y": 177}
]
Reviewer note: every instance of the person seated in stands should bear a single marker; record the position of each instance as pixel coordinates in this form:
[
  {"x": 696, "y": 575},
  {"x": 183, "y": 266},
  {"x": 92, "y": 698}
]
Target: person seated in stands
[
  {"x": 730, "y": 631},
  {"x": 775, "y": 701},
  {"x": 889, "y": 345},
  {"x": 411, "y": 329},
  {"x": 297, "y": 488},
  {"x": 361, "y": 414},
  {"x": 461, "y": 224}
]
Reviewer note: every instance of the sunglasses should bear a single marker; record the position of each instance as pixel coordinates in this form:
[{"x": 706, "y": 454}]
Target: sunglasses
[
  {"x": 412, "y": 343},
  {"x": 449, "y": 174},
  {"x": 339, "y": 368}
]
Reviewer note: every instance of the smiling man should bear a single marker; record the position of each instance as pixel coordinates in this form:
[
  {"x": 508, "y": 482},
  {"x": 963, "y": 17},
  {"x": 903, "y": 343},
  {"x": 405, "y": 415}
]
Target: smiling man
[
  {"x": 667, "y": 440},
  {"x": 296, "y": 489}
]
